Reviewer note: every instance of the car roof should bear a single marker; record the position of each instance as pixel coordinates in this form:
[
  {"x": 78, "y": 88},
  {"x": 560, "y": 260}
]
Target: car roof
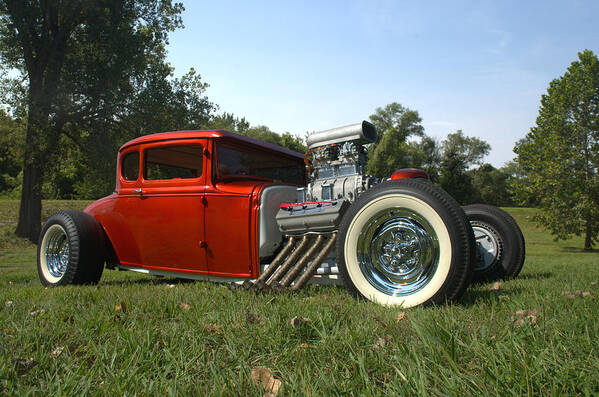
[{"x": 214, "y": 134}]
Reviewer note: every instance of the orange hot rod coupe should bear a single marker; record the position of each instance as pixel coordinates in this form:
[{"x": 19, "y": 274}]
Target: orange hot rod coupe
[{"x": 219, "y": 206}]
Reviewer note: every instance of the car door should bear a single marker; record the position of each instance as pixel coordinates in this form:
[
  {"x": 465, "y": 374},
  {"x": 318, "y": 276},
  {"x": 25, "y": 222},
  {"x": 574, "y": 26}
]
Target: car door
[{"x": 169, "y": 207}]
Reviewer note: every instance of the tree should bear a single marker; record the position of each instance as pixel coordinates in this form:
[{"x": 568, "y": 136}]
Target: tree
[
  {"x": 394, "y": 124},
  {"x": 460, "y": 152},
  {"x": 490, "y": 185},
  {"x": 82, "y": 61},
  {"x": 560, "y": 154},
  {"x": 11, "y": 152}
]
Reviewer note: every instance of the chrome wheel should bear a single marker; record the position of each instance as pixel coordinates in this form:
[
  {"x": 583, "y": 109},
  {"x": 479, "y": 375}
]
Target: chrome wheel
[
  {"x": 398, "y": 251},
  {"x": 487, "y": 245},
  {"x": 54, "y": 253}
]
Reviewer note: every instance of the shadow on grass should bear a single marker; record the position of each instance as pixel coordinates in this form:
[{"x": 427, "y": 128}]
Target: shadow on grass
[
  {"x": 473, "y": 297},
  {"x": 535, "y": 276},
  {"x": 153, "y": 280},
  {"x": 578, "y": 250}
]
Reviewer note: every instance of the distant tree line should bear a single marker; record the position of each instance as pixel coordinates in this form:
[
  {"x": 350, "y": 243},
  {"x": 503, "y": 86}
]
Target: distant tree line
[{"x": 455, "y": 163}]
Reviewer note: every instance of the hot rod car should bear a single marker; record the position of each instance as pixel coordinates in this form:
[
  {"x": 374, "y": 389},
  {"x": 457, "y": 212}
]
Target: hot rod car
[{"x": 220, "y": 206}]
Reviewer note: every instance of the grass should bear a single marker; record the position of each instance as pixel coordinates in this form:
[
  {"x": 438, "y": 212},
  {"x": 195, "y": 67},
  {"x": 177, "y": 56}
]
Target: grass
[{"x": 73, "y": 340}]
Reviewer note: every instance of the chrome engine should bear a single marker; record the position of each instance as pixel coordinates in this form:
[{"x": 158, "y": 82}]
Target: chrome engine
[
  {"x": 309, "y": 224},
  {"x": 339, "y": 163}
]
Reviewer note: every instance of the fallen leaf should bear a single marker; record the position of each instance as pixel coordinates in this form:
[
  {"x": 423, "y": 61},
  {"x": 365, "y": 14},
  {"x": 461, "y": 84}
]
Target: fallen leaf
[
  {"x": 253, "y": 318},
  {"x": 121, "y": 307},
  {"x": 8, "y": 304},
  {"x": 23, "y": 365},
  {"x": 295, "y": 321},
  {"x": 401, "y": 316},
  {"x": 381, "y": 342},
  {"x": 37, "y": 312},
  {"x": 57, "y": 352},
  {"x": 495, "y": 286},
  {"x": 214, "y": 328},
  {"x": 578, "y": 294},
  {"x": 594, "y": 283},
  {"x": 522, "y": 316},
  {"x": 262, "y": 376},
  {"x": 170, "y": 286},
  {"x": 184, "y": 306}
]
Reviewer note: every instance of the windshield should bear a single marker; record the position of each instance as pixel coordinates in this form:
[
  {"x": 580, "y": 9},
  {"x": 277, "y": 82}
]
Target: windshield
[{"x": 237, "y": 162}]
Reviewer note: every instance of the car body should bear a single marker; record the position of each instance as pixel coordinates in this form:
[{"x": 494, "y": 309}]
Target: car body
[
  {"x": 205, "y": 223},
  {"x": 222, "y": 206}
]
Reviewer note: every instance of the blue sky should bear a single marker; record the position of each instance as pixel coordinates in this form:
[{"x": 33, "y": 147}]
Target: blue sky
[{"x": 478, "y": 66}]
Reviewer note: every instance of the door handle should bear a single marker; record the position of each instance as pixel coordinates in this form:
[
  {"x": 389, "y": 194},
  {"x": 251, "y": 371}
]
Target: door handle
[{"x": 138, "y": 191}]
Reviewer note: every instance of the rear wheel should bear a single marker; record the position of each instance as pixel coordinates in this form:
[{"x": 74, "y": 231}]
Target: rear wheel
[
  {"x": 405, "y": 242},
  {"x": 71, "y": 249},
  {"x": 499, "y": 242}
]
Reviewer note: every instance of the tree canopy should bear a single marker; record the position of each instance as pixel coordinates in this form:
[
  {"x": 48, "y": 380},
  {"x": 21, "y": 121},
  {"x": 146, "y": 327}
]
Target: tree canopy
[
  {"x": 460, "y": 152},
  {"x": 560, "y": 154}
]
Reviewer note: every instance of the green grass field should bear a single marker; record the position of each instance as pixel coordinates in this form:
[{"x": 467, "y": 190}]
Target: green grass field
[{"x": 174, "y": 337}]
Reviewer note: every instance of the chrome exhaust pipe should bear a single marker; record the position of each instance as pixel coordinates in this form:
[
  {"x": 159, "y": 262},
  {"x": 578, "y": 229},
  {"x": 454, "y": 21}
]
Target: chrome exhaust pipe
[
  {"x": 295, "y": 270},
  {"x": 281, "y": 270},
  {"x": 303, "y": 279},
  {"x": 278, "y": 259}
]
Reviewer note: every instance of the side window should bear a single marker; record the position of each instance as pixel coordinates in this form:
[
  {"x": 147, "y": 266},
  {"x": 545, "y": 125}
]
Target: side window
[
  {"x": 130, "y": 166},
  {"x": 173, "y": 162}
]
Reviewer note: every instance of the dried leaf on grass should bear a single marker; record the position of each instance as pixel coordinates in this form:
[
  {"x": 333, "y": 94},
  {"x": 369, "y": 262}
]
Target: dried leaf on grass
[
  {"x": 495, "y": 286},
  {"x": 578, "y": 294},
  {"x": 57, "y": 352},
  {"x": 295, "y": 321},
  {"x": 323, "y": 297},
  {"x": 24, "y": 365},
  {"x": 184, "y": 306},
  {"x": 121, "y": 307},
  {"x": 262, "y": 376},
  {"x": 37, "y": 312},
  {"x": 524, "y": 316},
  {"x": 213, "y": 328},
  {"x": 401, "y": 316},
  {"x": 8, "y": 304},
  {"x": 170, "y": 286},
  {"x": 305, "y": 346},
  {"x": 594, "y": 283},
  {"x": 381, "y": 342},
  {"x": 253, "y": 318}
]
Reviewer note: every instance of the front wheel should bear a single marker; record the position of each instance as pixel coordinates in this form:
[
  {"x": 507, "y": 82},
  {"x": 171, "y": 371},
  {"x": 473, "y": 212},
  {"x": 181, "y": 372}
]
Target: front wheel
[
  {"x": 405, "y": 242},
  {"x": 71, "y": 249}
]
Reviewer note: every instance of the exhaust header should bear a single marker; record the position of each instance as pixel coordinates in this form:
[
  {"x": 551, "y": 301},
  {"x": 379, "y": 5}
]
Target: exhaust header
[{"x": 363, "y": 132}]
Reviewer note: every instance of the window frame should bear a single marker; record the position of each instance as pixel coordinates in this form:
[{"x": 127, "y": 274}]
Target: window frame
[{"x": 173, "y": 181}]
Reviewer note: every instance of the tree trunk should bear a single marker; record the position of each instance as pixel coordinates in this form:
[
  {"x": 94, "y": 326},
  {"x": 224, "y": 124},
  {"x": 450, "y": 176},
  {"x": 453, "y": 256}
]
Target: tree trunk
[
  {"x": 30, "y": 211},
  {"x": 588, "y": 242}
]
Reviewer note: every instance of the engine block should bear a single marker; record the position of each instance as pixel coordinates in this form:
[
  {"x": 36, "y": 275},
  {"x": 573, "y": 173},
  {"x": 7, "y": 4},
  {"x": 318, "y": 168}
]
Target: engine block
[{"x": 338, "y": 169}]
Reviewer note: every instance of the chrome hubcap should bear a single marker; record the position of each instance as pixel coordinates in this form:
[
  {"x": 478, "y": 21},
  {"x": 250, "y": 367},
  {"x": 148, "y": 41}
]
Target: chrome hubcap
[
  {"x": 398, "y": 251},
  {"x": 56, "y": 251},
  {"x": 487, "y": 246}
]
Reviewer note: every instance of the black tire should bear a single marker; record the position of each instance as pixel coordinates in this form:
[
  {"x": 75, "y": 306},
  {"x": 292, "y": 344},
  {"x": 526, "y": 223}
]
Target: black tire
[
  {"x": 500, "y": 243},
  {"x": 71, "y": 249},
  {"x": 413, "y": 241}
]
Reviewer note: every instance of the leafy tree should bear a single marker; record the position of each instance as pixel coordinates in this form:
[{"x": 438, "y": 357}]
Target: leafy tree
[
  {"x": 490, "y": 186},
  {"x": 560, "y": 154},
  {"x": 460, "y": 152},
  {"x": 395, "y": 125},
  {"x": 11, "y": 153},
  {"x": 83, "y": 60}
]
